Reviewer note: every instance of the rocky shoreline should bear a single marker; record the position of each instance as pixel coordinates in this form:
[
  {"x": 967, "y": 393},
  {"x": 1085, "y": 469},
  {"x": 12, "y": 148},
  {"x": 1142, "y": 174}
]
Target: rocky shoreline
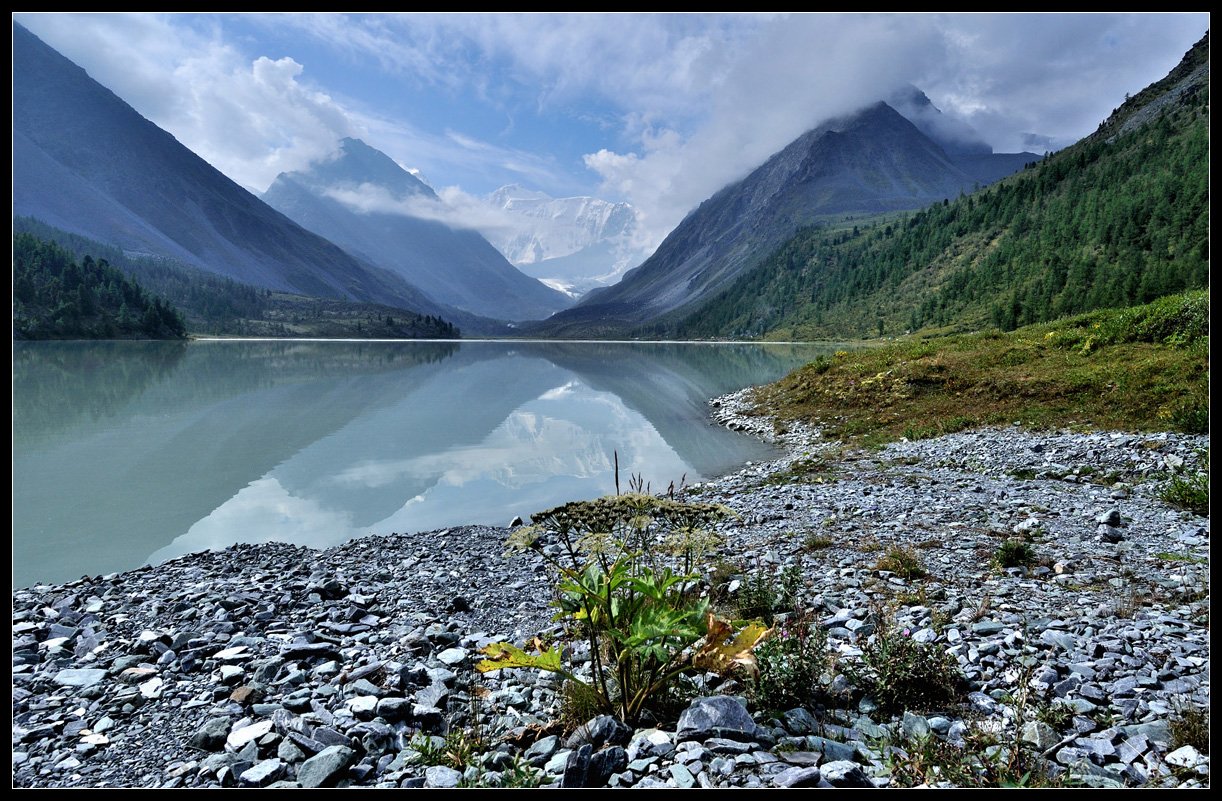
[{"x": 280, "y": 666}]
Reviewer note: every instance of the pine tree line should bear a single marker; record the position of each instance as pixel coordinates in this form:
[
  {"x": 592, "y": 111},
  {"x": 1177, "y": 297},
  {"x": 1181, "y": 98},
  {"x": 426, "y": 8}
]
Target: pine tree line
[{"x": 57, "y": 297}]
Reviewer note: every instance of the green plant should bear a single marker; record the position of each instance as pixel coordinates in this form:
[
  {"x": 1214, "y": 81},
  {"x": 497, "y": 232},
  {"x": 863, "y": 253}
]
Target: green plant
[
  {"x": 791, "y": 663},
  {"x": 763, "y": 593},
  {"x": 1171, "y": 556},
  {"x": 1190, "y": 726},
  {"x": 903, "y": 562},
  {"x": 1190, "y": 490},
  {"x": 987, "y": 757},
  {"x": 1057, "y": 715},
  {"x": 521, "y": 774},
  {"x": 901, "y": 673},
  {"x": 1014, "y": 553},
  {"x": 457, "y": 749},
  {"x": 1191, "y": 417},
  {"x": 645, "y": 624}
]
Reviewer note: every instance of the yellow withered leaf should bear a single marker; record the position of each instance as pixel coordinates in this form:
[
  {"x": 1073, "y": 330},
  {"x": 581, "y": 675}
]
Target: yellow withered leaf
[
  {"x": 502, "y": 655},
  {"x": 718, "y": 655}
]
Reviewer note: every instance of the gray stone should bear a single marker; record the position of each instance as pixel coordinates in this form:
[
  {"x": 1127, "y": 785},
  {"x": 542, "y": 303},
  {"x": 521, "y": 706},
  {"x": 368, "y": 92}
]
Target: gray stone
[
  {"x": 797, "y": 777},
  {"x": 650, "y": 742},
  {"x": 247, "y": 734},
  {"x": 326, "y": 767},
  {"x": 915, "y": 727},
  {"x": 577, "y": 767},
  {"x": 394, "y": 708},
  {"x": 717, "y": 716},
  {"x": 1041, "y": 735},
  {"x": 722, "y": 745},
  {"x": 831, "y": 750},
  {"x": 1059, "y": 639},
  {"x": 288, "y": 752},
  {"x": 211, "y": 736},
  {"x": 598, "y": 732},
  {"x": 541, "y": 750},
  {"x": 79, "y": 677},
  {"x": 452, "y": 656},
  {"x": 939, "y": 724},
  {"x": 800, "y": 721},
  {"x": 558, "y": 762},
  {"x": 843, "y": 773},
  {"x": 682, "y": 776},
  {"x": 869, "y": 728},
  {"x": 1185, "y": 757},
  {"x": 262, "y": 774},
  {"x": 441, "y": 777}
]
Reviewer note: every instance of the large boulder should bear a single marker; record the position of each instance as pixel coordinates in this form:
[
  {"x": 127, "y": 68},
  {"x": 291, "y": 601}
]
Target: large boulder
[{"x": 717, "y": 716}]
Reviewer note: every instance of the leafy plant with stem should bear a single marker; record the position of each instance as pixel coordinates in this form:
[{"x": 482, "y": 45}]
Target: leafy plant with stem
[
  {"x": 791, "y": 662},
  {"x": 645, "y": 622}
]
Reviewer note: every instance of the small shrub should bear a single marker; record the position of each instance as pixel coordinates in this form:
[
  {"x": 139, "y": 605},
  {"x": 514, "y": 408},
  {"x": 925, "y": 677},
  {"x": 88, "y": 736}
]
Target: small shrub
[
  {"x": 1190, "y": 726},
  {"x": 763, "y": 593},
  {"x": 1191, "y": 417},
  {"x": 903, "y": 562},
  {"x": 1057, "y": 715},
  {"x": 914, "y": 433},
  {"x": 1014, "y": 553},
  {"x": 903, "y": 674},
  {"x": 1190, "y": 490},
  {"x": 982, "y": 761},
  {"x": 791, "y": 663}
]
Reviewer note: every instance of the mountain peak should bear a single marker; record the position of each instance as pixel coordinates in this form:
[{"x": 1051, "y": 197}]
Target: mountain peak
[{"x": 355, "y": 163}]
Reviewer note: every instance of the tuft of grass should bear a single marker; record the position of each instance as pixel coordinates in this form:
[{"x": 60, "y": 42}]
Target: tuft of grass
[
  {"x": 811, "y": 470},
  {"x": 1141, "y": 368},
  {"x": 903, "y": 562},
  {"x": 1190, "y": 726},
  {"x": 814, "y": 541},
  {"x": 763, "y": 593},
  {"x": 1014, "y": 553},
  {"x": 1170, "y": 556}
]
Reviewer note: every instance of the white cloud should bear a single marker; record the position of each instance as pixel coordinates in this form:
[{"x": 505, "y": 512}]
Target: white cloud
[
  {"x": 249, "y": 118},
  {"x": 456, "y": 208}
]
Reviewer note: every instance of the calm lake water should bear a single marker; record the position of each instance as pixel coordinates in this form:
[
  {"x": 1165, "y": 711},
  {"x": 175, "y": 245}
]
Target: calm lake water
[{"x": 126, "y": 453}]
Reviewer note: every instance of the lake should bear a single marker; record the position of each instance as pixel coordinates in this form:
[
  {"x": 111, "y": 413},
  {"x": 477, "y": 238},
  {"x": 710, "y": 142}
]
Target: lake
[{"x": 127, "y": 453}]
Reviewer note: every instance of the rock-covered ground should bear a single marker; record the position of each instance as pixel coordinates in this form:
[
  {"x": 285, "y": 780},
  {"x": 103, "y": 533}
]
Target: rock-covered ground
[{"x": 276, "y": 665}]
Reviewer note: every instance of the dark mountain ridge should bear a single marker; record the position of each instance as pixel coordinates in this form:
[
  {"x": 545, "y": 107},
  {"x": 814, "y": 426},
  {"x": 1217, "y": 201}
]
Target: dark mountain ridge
[
  {"x": 87, "y": 162},
  {"x": 869, "y": 162}
]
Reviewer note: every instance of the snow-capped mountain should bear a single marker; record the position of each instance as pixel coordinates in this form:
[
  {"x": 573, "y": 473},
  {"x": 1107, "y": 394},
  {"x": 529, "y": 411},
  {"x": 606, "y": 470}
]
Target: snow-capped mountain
[{"x": 573, "y": 244}]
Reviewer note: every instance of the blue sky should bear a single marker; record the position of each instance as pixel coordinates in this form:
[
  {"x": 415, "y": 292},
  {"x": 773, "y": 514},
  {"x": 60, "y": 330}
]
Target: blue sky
[{"x": 659, "y": 110}]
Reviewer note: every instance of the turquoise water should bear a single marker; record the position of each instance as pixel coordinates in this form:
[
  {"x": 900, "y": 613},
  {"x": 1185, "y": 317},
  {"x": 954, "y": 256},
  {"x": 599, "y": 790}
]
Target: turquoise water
[{"x": 127, "y": 453}]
